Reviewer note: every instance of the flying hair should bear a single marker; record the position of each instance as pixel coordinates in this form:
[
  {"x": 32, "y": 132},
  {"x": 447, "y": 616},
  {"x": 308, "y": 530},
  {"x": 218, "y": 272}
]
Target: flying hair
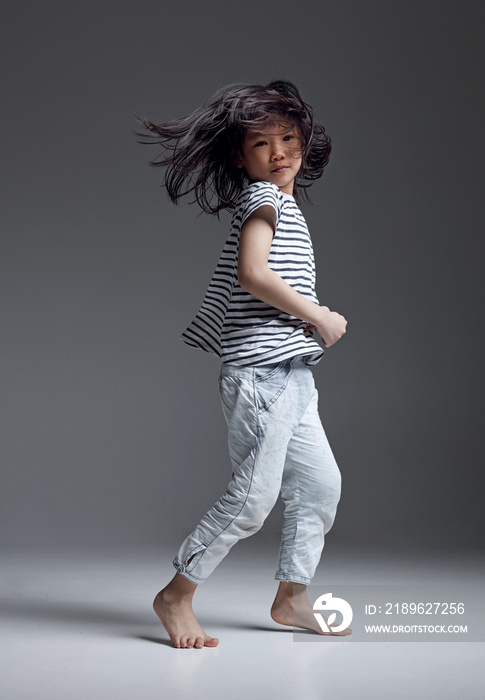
[{"x": 200, "y": 151}]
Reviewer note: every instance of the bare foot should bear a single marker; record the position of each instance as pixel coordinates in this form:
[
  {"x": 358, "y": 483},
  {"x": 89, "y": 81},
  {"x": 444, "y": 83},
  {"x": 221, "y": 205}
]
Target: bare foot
[
  {"x": 173, "y": 605},
  {"x": 292, "y": 607}
]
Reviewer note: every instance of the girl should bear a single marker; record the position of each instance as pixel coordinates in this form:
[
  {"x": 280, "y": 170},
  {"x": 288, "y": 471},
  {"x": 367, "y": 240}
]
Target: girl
[{"x": 254, "y": 150}]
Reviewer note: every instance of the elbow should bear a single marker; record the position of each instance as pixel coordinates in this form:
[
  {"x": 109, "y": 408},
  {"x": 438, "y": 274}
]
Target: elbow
[
  {"x": 243, "y": 279},
  {"x": 248, "y": 279}
]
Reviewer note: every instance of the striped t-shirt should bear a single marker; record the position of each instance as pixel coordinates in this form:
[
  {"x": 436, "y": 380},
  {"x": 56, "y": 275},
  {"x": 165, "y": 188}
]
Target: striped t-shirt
[{"x": 236, "y": 326}]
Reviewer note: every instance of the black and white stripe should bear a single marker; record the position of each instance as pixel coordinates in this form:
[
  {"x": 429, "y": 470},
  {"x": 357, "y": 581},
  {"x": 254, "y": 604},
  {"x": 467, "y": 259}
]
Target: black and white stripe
[{"x": 235, "y": 325}]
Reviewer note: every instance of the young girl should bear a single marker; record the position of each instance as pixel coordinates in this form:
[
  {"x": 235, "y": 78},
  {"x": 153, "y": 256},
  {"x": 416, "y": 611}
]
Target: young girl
[{"x": 254, "y": 150}]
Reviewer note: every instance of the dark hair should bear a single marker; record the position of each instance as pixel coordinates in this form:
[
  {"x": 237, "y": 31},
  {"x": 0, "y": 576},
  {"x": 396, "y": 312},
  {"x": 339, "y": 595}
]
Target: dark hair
[{"x": 200, "y": 150}]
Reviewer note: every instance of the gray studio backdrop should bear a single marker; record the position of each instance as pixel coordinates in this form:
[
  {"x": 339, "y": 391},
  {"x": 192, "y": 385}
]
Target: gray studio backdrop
[{"x": 112, "y": 431}]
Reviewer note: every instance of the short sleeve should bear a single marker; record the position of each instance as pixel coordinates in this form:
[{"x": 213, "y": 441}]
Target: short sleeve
[{"x": 258, "y": 195}]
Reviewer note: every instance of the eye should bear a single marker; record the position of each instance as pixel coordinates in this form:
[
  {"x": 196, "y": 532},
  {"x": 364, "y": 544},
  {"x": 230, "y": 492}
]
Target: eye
[
  {"x": 289, "y": 137},
  {"x": 260, "y": 143}
]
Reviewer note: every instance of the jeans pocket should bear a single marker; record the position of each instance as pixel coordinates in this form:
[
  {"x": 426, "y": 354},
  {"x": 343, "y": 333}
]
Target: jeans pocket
[
  {"x": 270, "y": 382},
  {"x": 264, "y": 372}
]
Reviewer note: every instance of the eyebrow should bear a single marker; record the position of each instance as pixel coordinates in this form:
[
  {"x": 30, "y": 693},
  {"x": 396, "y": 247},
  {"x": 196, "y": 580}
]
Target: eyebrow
[{"x": 256, "y": 134}]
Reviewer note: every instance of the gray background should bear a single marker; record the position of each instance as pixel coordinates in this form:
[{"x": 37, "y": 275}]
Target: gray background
[{"x": 112, "y": 432}]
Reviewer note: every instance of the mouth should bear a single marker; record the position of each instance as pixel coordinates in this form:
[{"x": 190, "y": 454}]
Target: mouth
[{"x": 280, "y": 169}]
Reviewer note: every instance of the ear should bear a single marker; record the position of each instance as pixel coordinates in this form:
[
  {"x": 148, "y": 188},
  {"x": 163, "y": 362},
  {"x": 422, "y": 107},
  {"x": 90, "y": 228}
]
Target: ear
[{"x": 238, "y": 161}]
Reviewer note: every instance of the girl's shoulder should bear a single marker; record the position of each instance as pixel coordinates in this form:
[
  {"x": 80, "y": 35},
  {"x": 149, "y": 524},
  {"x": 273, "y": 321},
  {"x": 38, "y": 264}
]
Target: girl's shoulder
[
  {"x": 256, "y": 195},
  {"x": 260, "y": 192},
  {"x": 261, "y": 186}
]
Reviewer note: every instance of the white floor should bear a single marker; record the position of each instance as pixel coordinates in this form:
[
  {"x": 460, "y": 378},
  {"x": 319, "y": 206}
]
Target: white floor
[{"x": 78, "y": 624}]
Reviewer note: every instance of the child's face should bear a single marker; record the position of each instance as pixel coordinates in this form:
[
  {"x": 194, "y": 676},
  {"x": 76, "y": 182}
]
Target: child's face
[{"x": 272, "y": 154}]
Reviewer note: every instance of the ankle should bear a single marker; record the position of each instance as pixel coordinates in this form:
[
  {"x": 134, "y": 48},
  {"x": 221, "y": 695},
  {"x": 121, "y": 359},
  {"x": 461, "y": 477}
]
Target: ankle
[
  {"x": 291, "y": 593},
  {"x": 178, "y": 589},
  {"x": 284, "y": 597},
  {"x": 173, "y": 595}
]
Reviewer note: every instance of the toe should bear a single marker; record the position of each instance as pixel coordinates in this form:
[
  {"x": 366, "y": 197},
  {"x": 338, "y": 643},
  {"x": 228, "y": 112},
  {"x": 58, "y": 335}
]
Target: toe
[
  {"x": 199, "y": 643},
  {"x": 190, "y": 642},
  {"x": 211, "y": 642}
]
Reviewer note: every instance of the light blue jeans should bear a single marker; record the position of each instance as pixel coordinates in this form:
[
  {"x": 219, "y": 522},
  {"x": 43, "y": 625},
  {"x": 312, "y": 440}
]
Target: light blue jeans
[{"x": 276, "y": 444}]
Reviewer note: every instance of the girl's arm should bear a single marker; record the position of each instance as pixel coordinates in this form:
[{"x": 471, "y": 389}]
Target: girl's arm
[{"x": 258, "y": 279}]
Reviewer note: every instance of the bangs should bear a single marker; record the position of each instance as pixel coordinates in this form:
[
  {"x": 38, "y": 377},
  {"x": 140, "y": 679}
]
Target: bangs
[
  {"x": 267, "y": 126},
  {"x": 264, "y": 109}
]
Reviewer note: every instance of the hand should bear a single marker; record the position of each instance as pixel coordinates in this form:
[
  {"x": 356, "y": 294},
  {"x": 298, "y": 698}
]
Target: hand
[{"x": 331, "y": 327}]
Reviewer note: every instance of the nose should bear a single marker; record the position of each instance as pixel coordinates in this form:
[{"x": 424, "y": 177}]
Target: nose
[{"x": 277, "y": 152}]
